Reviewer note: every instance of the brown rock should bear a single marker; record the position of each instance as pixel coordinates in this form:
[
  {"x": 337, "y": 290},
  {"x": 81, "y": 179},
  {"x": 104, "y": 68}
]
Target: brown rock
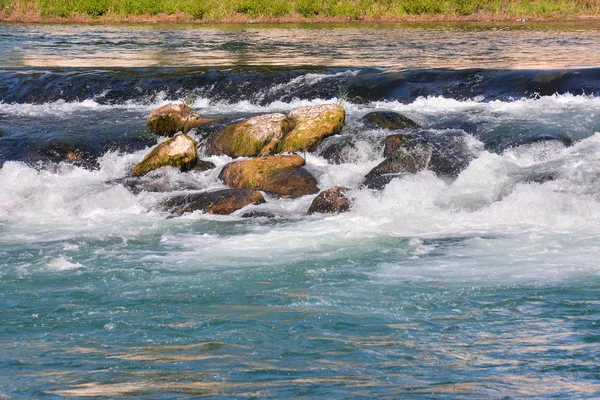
[
  {"x": 172, "y": 118},
  {"x": 281, "y": 175},
  {"x": 331, "y": 201},
  {"x": 220, "y": 202}
]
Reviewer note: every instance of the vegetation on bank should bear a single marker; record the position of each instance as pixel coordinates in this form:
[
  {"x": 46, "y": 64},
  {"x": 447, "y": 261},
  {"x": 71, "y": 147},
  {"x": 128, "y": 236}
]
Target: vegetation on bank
[{"x": 267, "y": 10}]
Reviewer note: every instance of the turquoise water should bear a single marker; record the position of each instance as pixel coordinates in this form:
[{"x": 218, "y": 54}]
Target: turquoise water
[{"x": 481, "y": 285}]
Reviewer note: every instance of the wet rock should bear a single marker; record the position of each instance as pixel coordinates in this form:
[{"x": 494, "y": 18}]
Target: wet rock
[
  {"x": 411, "y": 157},
  {"x": 393, "y": 143},
  {"x": 157, "y": 182},
  {"x": 449, "y": 152},
  {"x": 337, "y": 149},
  {"x": 379, "y": 181},
  {"x": 353, "y": 148},
  {"x": 64, "y": 152},
  {"x": 331, "y": 201},
  {"x": 280, "y": 175},
  {"x": 203, "y": 165},
  {"x": 311, "y": 125},
  {"x": 388, "y": 120},
  {"x": 179, "y": 152},
  {"x": 221, "y": 202},
  {"x": 259, "y": 135},
  {"x": 258, "y": 214},
  {"x": 565, "y": 140},
  {"x": 172, "y": 118}
]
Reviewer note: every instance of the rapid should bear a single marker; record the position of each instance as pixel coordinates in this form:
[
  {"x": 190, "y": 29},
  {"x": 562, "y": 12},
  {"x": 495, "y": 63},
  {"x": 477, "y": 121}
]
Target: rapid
[{"x": 480, "y": 283}]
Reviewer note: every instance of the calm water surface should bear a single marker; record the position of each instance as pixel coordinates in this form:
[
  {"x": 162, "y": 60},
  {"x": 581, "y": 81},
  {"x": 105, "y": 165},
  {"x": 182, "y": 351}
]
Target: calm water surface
[{"x": 513, "y": 46}]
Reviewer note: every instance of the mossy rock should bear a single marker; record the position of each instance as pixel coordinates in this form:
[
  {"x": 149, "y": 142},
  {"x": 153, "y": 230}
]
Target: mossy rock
[
  {"x": 280, "y": 175},
  {"x": 331, "y": 201},
  {"x": 252, "y": 137},
  {"x": 179, "y": 152},
  {"x": 312, "y": 125},
  {"x": 220, "y": 202},
  {"x": 172, "y": 118}
]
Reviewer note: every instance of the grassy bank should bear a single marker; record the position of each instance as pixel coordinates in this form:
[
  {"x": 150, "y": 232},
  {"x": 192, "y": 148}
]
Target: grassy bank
[{"x": 292, "y": 10}]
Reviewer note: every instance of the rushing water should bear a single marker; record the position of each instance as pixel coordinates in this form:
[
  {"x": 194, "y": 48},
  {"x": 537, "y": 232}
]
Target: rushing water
[{"x": 482, "y": 284}]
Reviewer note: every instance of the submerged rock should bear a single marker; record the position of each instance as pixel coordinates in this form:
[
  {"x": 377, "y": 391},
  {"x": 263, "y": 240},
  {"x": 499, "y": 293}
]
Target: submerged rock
[
  {"x": 258, "y": 214},
  {"x": 311, "y": 125},
  {"x": 172, "y": 118},
  {"x": 331, "y": 201},
  {"x": 179, "y": 152},
  {"x": 388, "y": 120},
  {"x": 252, "y": 137},
  {"x": 221, "y": 202},
  {"x": 281, "y": 175}
]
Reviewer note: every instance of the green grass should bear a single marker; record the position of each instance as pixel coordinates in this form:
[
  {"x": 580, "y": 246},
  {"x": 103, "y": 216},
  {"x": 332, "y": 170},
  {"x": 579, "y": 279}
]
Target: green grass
[{"x": 224, "y": 10}]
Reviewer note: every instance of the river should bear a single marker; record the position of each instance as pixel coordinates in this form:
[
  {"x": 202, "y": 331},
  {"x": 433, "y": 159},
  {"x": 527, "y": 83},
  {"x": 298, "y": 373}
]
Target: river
[{"x": 481, "y": 283}]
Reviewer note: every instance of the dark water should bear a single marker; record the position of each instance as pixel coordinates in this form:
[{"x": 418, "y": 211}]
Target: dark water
[{"x": 481, "y": 284}]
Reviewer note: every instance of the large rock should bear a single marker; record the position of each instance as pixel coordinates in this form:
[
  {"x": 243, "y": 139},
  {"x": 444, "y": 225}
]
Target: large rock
[
  {"x": 312, "y": 125},
  {"x": 281, "y": 175},
  {"x": 388, "y": 120},
  {"x": 255, "y": 136},
  {"x": 331, "y": 201},
  {"x": 410, "y": 156},
  {"x": 172, "y": 118},
  {"x": 219, "y": 202},
  {"x": 179, "y": 152}
]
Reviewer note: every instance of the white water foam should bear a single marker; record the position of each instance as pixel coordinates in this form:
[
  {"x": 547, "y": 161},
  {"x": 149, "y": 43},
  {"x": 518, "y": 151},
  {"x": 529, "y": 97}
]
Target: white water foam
[{"x": 490, "y": 203}]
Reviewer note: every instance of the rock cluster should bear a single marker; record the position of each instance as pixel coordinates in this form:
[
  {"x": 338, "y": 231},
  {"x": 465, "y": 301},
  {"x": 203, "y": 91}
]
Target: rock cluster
[
  {"x": 301, "y": 130},
  {"x": 263, "y": 138},
  {"x": 266, "y": 162}
]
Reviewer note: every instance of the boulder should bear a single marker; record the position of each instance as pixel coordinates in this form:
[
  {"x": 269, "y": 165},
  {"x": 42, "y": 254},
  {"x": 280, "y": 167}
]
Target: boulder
[
  {"x": 393, "y": 143},
  {"x": 203, "y": 165},
  {"x": 311, "y": 125},
  {"x": 252, "y": 137},
  {"x": 172, "y": 118},
  {"x": 221, "y": 202},
  {"x": 388, "y": 120},
  {"x": 280, "y": 175},
  {"x": 411, "y": 156},
  {"x": 331, "y": 201},
  {"x": 179, "y": 152}
]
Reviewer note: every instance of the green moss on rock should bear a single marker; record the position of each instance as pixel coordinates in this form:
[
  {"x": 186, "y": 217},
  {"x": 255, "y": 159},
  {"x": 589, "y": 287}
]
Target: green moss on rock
[
  {"x": 179, "y": 152},
  {"x": 311, "y": 125},
  {"x": 254, "y": 136}
]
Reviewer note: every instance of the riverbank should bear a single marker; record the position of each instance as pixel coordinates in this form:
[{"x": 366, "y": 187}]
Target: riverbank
[{"x": 298, "y": 11}]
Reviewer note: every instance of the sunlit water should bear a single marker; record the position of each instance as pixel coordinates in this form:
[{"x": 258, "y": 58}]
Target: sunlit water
[{"x": 479, "y": 285}]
